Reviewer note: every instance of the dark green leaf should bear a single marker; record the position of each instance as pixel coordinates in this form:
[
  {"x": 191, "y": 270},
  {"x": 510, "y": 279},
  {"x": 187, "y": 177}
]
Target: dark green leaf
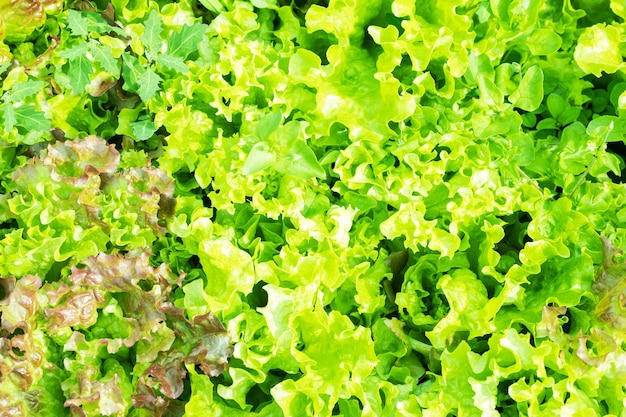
[
  {"x": 131, "y": 71},
  {"x": 213, "y": 5},
  {"x": 76, "y": 51},
  {"x": 79, "y": 71}
]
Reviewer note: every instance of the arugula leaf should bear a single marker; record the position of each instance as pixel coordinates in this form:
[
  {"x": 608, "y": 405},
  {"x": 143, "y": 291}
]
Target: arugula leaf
[
  {"x": 174, "y": 63},
  {"x": 8, "y": 114},
  {"x": 183, "y": 42},
  {"x": 152, "y": 33},
  {"x": 79, "y": 67},
  {"x": 30, "y": 118},
  {"x": 149, "y": 84},
  {"x": 104, "y": 57},
  {"x": 20, "y": 91},
  {"x": 77, "y": 23},
  {"x": 132, "y": 70}
]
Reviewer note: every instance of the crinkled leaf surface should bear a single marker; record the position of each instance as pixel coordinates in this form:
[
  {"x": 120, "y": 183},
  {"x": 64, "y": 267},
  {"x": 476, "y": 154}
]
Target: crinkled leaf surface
[{"x": 312, "y": 208}]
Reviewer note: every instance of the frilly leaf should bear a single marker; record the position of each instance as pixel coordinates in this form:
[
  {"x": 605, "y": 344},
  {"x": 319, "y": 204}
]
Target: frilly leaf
[
  {"x": 22, "y": 17},
  {"x": 111, "y": 293},
  {"x": 610, "y": 287},
  {"x": 86, "y": 199}
]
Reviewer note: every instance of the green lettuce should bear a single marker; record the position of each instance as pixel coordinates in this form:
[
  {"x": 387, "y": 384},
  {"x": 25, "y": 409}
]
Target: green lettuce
[
  {"x": 275, "y": 208},
  {"x": 81, "y": 202}
]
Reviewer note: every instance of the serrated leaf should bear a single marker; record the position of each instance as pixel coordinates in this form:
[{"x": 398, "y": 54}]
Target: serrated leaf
[
  {"x": 30, "y": 118},
  {"x": 182, "y": 43},
  {"x": 103, "y": 56},
  {"x": 148, "y": 84},
  {"x": 77, "y": 24},
  {"x": 75, "y": 51},
  {"x": 79, "y": 71},
  {"x": 151, "y": 37},
  {"x": 23, "y": 90},
  {"x": 82, "y": 23},
  {"x": 131, "y": 71},
  {"x": 171, "y": 62},
  {"x": 8, "y": 113}
]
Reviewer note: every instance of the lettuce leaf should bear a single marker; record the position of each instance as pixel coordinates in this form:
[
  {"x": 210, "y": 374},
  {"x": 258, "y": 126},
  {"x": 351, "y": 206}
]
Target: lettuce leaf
[
  {"x": 80, "y": 203},
  {"x": 128, "y": 344},
  {"x": 395, "y": 208}
]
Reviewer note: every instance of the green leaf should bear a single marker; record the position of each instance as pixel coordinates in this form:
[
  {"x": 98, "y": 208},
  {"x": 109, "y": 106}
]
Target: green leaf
[
  {"x": 544, "y": 42},
  {"x": 4, "y": 67},
  {"x": 151, "y": 37},
  {"x": 20, "y": 91},
  {"x": 77, "y": 24},
  {"x": 259, "y": 158},
  {"x": 83, "y": 23},
  {"x": 172, "y": 62},
  {"x": 8, "y": 114},
  {"x": 79, "y": 70},
  {"x": 556, "y": 105},
  {"x": 301, "y": 162},
  {"x": 132, "y": 70},
  {"x": 79, "y": 67},
  {"x": 529, "y": 94},
  {"x": 268, "y": 124},
  {"x": 31, "y": 119},
  {"x": 598, "y": 51},
  {"x": 143, "y": 129},
  {"x": 229, "y": 271},
  {"x": 148, "y": 82},
  {"x": 103, "y": 56},
  {"x": 77, "y": 51},
  {"x": 213, "y": 5},
  {"x": 182, "y": 43}
]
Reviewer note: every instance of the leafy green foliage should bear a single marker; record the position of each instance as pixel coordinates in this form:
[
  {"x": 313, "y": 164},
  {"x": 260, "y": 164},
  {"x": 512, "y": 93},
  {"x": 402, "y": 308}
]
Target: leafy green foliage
[
  {"x": 394, "y": 208},
  {"x": 102, "y": 340}
]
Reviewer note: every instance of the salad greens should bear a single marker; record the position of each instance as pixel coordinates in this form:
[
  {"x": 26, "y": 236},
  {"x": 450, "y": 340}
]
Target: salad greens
[{"x": 312, "y": 208}]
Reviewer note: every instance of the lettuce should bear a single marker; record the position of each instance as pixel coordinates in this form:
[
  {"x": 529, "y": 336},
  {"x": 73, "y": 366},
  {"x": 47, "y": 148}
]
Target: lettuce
[
  {"x": 81, "y": 203},
  {"x": 274, "y": 208},
  {"x": 105, "y": 339}
]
